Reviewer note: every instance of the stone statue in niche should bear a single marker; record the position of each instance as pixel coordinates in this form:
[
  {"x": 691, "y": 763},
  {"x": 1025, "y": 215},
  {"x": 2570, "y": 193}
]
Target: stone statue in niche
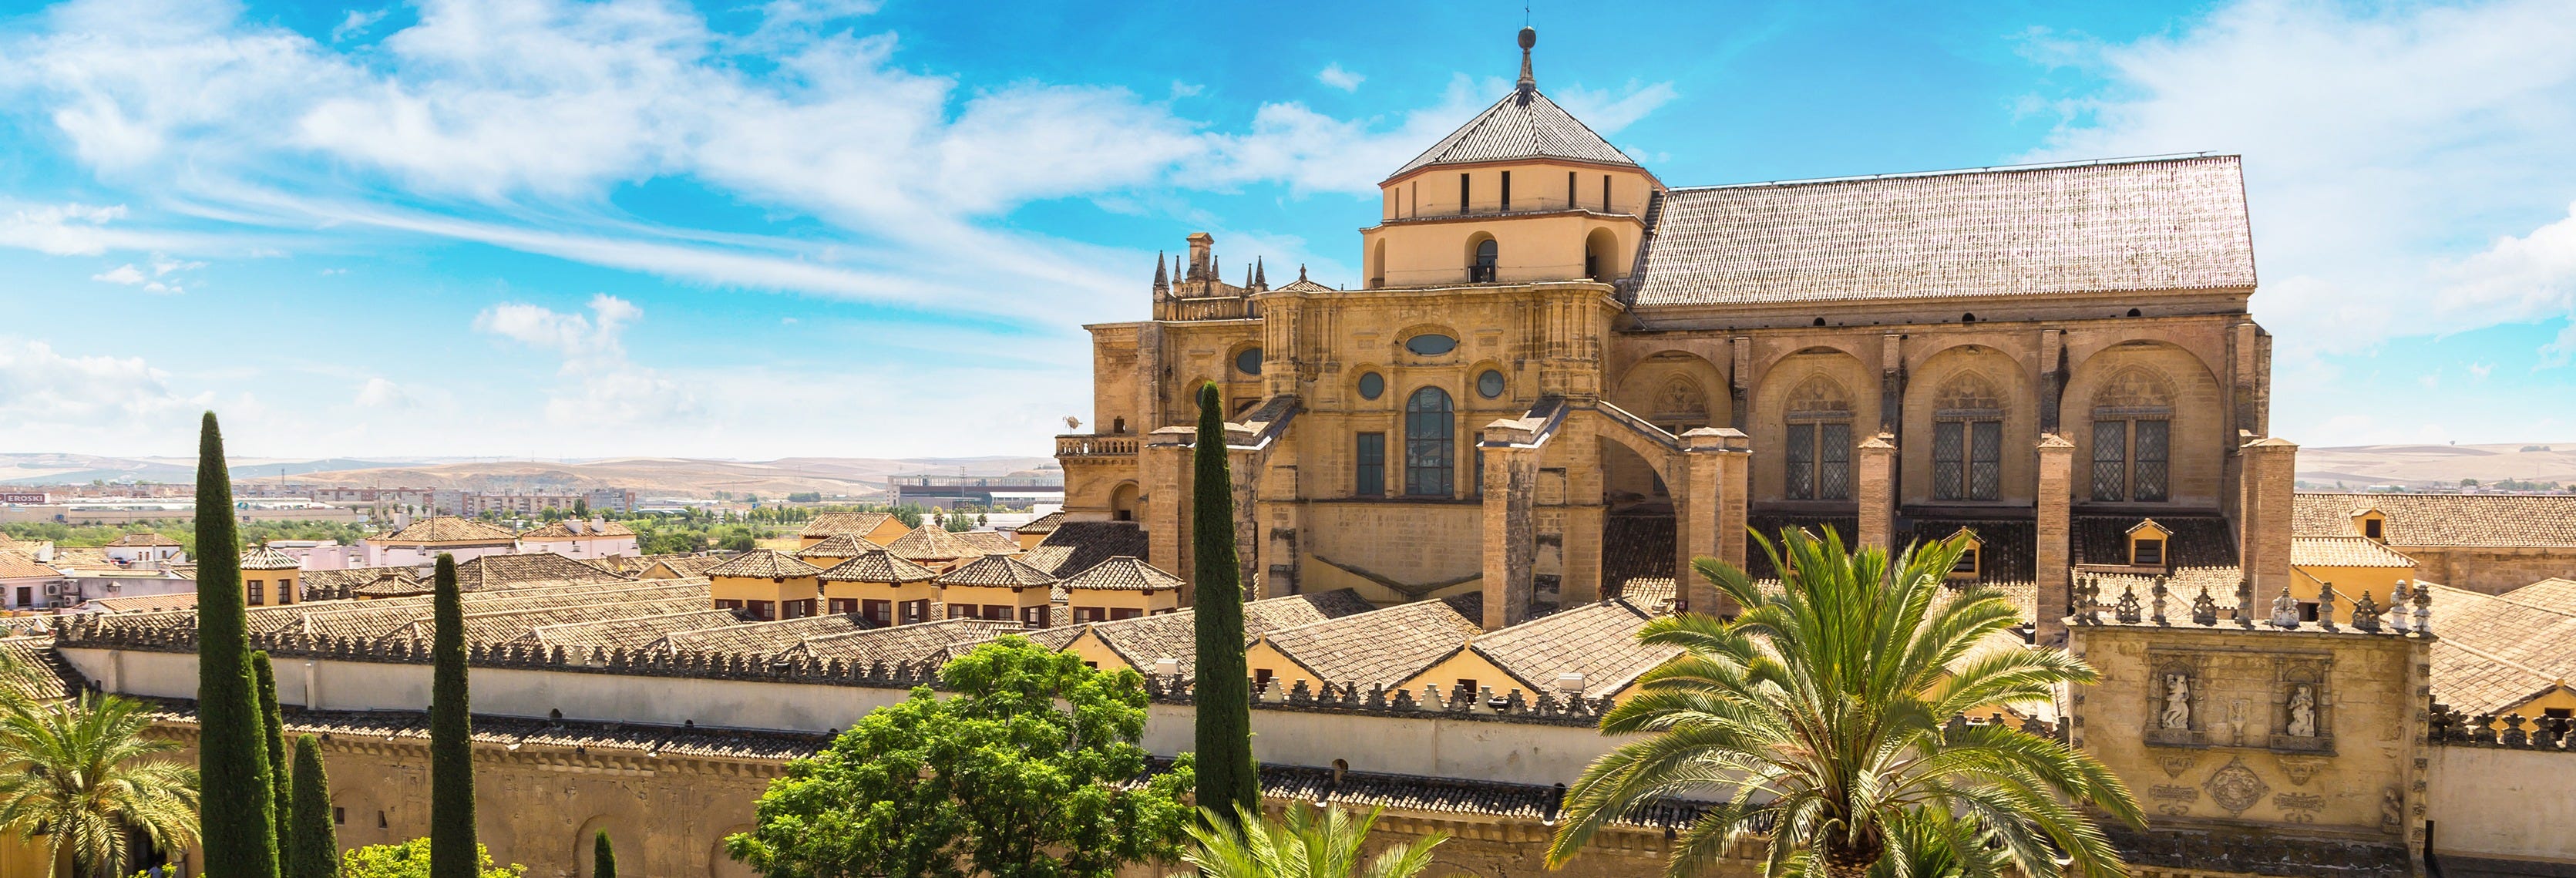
[
  {"x": 2392, "y": 809},
  {"x": 2177, "y": 713},
  {"x": 2303, "y": 711}
]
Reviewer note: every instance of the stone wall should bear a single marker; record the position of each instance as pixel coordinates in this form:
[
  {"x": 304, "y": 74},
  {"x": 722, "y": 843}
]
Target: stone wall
[
  {"x": 2491, "y": 570},
  {"x": 2497, "y": 802}
]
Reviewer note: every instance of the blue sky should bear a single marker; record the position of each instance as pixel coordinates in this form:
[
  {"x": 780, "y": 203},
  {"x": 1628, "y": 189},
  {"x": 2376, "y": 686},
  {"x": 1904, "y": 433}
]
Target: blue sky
[{"x": 809, "y": 227}]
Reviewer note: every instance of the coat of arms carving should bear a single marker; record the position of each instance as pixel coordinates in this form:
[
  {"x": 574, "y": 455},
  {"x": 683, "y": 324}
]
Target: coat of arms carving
[{"x": 2236, "y": 787}]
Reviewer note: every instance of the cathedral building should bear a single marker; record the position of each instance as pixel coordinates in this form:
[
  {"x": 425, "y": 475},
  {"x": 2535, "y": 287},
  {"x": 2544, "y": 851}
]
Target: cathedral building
[{"x": 1562, "y": 377}]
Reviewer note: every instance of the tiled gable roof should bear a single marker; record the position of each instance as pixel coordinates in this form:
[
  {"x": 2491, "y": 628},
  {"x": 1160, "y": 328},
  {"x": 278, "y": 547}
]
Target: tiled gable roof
[
  {"x": 878, "y": 566},
  {"x": 628, "y": 633},
  {"x": 529, "y": 569},
  {"x": 764, "y": 564},
  {"x": 1042, "y": 524},
  {"x": 1124, "y": 573},
  {"x": 2344, "y": 552},
  {"x": 839, "y": 545},
  {"x": 2142, "y": 227},
  {"x": 1382, "y": 647},
  {"x": 43, "y": 674},
  {"x": 2554, "y": 593},
  {"x": 993, "y": 542},
  {"x": 265, "y": 558},
  {"x": 2194, "y": 540},
  {"x": 689, "y": 565},
  {"x": 447, "y": 529},
  {"x": 1523, "y": 125},
  {"x": 1095, "y": 541},
  {"x": 934, "y": 544},
  {"x": 905, "y": 644},
  {"x": 759, "y": 638},
  {"x": 562, "y": 530},
  {"x": 144, "y": 539},
  {"x": 1598, "y": 641},
  {"x": 339, "y": 583},
  {"x": 184, "y": 600},
  {"x": 1146, "y": 639},
  {"x": 859, "y": 523},
  {"x": 2497, "y": 648},
  {"x": 18, "y": 566},
  {"x": 1049, "y": 558},
  {"x": 997, "y": 571},
  {"x": 2465, "y": 520}
]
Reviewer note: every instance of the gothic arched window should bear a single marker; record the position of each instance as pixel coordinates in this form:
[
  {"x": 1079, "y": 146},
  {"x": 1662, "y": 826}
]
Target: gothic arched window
[
  {"x": 1818, "y": 456},
  {"x": 2132, "y": 437},
  {"x": 1967, "y": 439},
  {"x": 1428, "y": 457}
]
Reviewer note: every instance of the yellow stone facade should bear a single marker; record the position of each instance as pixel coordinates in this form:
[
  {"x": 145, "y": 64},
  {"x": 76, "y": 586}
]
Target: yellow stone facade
[{"x": 1513, "y": 382}]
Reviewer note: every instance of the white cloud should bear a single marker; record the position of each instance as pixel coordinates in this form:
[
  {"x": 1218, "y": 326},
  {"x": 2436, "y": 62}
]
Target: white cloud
[
  {"x": 2377, "y": 138},
  {"x": 602, "y": 388},
  {"x": 381, "y": 393},
  {"x": 51, "y": 401},
  {"x": 1608, "y": 112},
  {"x": 1333, "y": 75},
  {"x": 122, "y": 274},
  {"x": 357, "y": 22},
  {"x": 131, "y": 276}
]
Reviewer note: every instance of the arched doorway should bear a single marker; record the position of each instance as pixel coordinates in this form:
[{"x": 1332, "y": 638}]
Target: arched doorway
[
  {"x": 1124, "y": 501},
  {"x": 1600, "y": 255}
]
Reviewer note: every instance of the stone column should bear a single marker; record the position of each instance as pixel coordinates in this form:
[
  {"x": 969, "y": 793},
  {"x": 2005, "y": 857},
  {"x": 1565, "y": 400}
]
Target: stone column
[
  {"x": 2056, "y": 527},
  {"x": 1579, "y": 452},
  {"x": 1163, "y": 470},
  {"x": 1510, "y": 534},
  {"x": 2263, "y": 518},
  {"x": 1720, "y": 464},
  {"x": 1244, "y": 471},
  {"x": 1876, "y": 489},
  {"x": 1695, "y": 507}
]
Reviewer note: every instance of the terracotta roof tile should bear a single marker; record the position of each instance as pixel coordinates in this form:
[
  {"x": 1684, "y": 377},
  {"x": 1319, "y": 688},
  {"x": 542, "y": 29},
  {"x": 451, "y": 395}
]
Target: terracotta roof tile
[
  {"x": 2345, "y": 552},
  {"x": 1598, "y": 641},
  {"x": 934, "y": 544},
  {"x": 447, "y": 529},
  {"x": 1146, "y": 639},
  {"x": 878, "y": 566},
  {"x": 1523, "y": 125},
  {"x": 1095, "y": 541},
  {"x": 1042, "y": 524},
  {"x": 839, "y": 545},
  {"x": 527, "y": 570},
  {"x": 265, "y": 558},
  {"x": 857, "y": 523},
  {"x": 996, "y": 571},
  {"x": 764, "y": 564},
  {"x": 993, "y": 541},
  {"x": 628, "y": 633},
  {"x": 144, "y": 539},
  {"x": 1049, "y": 558},
  {"x": 43, "y": 675},
  {"x": 562, "y": 530},
  {"x": 1382, "y": 647},
  {"x": 2495, "y": 651},
  {"x": 1124, "y": 573},
  {"x": 17, "y": 566},
  {"x": 935, "y": 642},
  {"x": 760, "y": 638},
  {"x": 2141, "y": 227},
  {"x": 2481, "y": 520},
  {"x": 183, "y": 600},
  {"x": 2553, "y": 593}
]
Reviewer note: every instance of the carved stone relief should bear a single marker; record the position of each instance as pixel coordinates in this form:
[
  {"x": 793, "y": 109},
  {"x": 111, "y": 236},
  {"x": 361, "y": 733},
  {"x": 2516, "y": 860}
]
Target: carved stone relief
[
  {"x": 2299, "y": 807},
  {"x": 2236, "y": 787},
  {"x": 2175, "y": 764},
  {"x": 2173, "y": 800},
  {"x": 2300, "y": 768},
  {"x": 2303, "y": 712},
  {"x": 2174, "y": 709}
]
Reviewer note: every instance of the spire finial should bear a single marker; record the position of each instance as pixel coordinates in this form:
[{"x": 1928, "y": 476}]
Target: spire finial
[
  {"x": 1529, "y": 38},
  {"x": 1162, "y": 281},
  {"x": 1260, "y": 278}
]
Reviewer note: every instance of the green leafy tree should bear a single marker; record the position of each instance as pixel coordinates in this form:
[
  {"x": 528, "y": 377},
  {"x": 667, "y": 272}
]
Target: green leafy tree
[
  {"x": 581, "y": 507},
  {"x": 909, "y": 515},
  {"x": 280, "y": 783},
  {"x": 1819, "y": 711},
  {"x": 603, "y": 861},
  {"x": 740, "y": 542},
  {"x": 313, "y": 845},
  {"x": 81, "y": 777},
  {"x": 1025, "y": 773},
  {"x": 232, "y": 754},
  {"x": 959, "y": 523},
  {"x": 452, "y": 851},
  {"x": 410, "y": 859},
  {"x": 1303, "y": 845},
  {"x": 1223, "y": 690}
]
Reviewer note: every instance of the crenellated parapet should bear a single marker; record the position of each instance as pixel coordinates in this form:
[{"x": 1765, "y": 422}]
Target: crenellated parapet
[{"x": 2512, "y": 731}]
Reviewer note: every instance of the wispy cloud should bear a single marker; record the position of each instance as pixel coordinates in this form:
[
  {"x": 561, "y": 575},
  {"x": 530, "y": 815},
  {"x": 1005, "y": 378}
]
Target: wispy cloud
[
  {"x": 1333, "y": 75},
  {"x": 600, "y": 387}
]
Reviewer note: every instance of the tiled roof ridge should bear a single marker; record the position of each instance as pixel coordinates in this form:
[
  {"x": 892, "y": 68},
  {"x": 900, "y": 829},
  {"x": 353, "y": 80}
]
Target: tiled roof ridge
[
  {"x": 859, "y": 569},
  {"x": 1540, "y": 117},
  {"x": 765, "y": 563},
  {"x": 1990, "y": 169}
]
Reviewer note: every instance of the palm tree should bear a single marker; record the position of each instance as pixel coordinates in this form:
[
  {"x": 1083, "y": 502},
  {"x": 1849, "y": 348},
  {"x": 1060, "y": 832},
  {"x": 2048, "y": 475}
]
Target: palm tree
[
  {"x": 1819, "y": 713},
  {"x": 1305, "y": 846},
  {"x": 79, "y": 774}
]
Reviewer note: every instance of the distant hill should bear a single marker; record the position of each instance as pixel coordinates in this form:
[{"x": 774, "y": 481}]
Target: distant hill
[
  {"x": 2424, "y": 466},
  {"x": 651, "y": 476}
]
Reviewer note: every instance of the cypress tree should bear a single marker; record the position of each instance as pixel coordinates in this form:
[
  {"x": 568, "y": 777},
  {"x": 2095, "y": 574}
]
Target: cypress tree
[
  {"x": 238, "y": 807},
  {"x": 452, "y": 853},
  {"x": 1224, "y": 690},
  {"x": 280, "y": 785},
  {"x": 603, "y": 862},
  {"x": 313, "y": 848}
]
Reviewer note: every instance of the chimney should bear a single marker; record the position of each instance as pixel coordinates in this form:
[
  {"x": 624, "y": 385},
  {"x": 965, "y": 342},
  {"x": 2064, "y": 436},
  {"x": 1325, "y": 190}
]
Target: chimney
[
  {"x": 2268, "y": 480},
  {"x": 402, "y": 520}
]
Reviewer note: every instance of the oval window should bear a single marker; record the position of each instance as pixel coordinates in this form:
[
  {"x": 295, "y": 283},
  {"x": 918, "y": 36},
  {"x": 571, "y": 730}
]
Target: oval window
[
  {"x": 1372, "y": 385},
  {"x": 1490, "y": 384},
  {"x": 1248, "y": 362},
  {"x": 1431, "y": 344}
]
